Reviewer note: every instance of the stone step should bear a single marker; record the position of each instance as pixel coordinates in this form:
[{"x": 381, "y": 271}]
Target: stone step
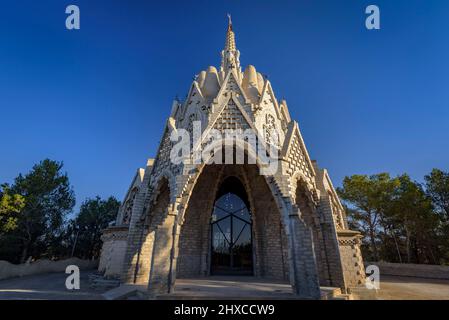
[
  {"x": 97, "y": 281},
  {"x": 362, "y": 293},
  {"x": 333, "y": 293},
  {"x": 343, "y": 297},
  {"x": 125, "y": 291}
]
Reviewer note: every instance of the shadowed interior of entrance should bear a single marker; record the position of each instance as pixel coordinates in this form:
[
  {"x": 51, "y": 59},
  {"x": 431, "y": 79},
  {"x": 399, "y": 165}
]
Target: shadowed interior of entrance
[{"x": 232, "y": 225}]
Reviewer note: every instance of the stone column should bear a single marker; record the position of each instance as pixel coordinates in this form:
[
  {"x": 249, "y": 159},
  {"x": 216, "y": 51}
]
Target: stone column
[
  {"x": 304, "y": 274},
  {"x": 163, "y": 254},
  {"x": 139, "y": 244},
  {"x": 303, "y": 270},
  {"x": 334, "y": 267}
]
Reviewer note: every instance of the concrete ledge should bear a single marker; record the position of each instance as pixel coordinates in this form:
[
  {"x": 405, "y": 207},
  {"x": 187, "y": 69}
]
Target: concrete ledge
[
  {"x": 9, "y": 270},
  {"x": 412, "y": 270}
]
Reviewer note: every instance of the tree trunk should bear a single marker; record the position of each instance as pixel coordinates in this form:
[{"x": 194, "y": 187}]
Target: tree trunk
[
  {"x": 408, "y": 245},
  {"x": 430, "y": 249},
  {"x": 416, "y": 251},
  {"x": 396, "y": 245},
  {"x": 24, "y": 255},
  {"x": 27, "y": 239},
  {"x": 371, "y": 227},
  {"x": 373, "y": 244}
]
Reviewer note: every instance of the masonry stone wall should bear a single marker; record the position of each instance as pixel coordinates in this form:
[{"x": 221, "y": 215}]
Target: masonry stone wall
[
  {"x": 412, "y": 270},
  {"x": 191, "y": 244},
  {"x": 140, "y": 243},
  {"x": 353, "y": 267},
  {"x": 113, "y": 251},
  {"x": 334, "y": 274},
  {"x": 136, "y": 234},
  {"x": 9, "y": 270},
  {"x": 268, "y": 229},
  {"x": 306, "y": 274},
  {"x": 160, "y": 272},
  {"x": 310, "y": 216},
  {"x": 194, "y": 244}
]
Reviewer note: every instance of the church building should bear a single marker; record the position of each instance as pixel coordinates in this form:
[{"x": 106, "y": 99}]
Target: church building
[{"x": 192, "y": 219}]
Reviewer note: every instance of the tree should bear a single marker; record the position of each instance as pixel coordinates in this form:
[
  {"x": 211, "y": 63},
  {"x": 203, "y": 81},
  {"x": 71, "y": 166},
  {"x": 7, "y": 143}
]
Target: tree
[
  {"x": 10, "y": 207},
  {"x": 94, "y": 216},
  {"x": 366, "y": 198},
  {"x": 396, "y": 217},
  {"x": 49, "y": 197},
  {"x": 437, "y": 186},
  {"x": 413, "y": 208}
]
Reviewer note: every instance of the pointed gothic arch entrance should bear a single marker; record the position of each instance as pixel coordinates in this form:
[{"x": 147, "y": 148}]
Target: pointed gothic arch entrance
[
  {"x": 231, "y": 231},
  {"x": 265, "y": 257}
]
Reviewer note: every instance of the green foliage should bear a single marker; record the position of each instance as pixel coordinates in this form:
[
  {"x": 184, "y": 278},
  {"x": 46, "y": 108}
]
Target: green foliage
[
  {"x": 437, "y": 186},
  {"x": 368, "y": 197},
  {"x": 48, "y": 199},
  {"x": 33, "y": 217},
  {"x": 10, "y": 207},
  {"x": 413, "y": 210},
  {"x": 94, "y": 216},
  {"x": 397, "y": 216}
]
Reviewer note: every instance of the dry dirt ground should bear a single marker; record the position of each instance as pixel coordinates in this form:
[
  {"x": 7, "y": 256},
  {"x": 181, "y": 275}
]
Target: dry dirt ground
[
  {"x": 52, "y": 287},
  {"x": 49, "y": 286},
  {"x": 411, "y": 288}
]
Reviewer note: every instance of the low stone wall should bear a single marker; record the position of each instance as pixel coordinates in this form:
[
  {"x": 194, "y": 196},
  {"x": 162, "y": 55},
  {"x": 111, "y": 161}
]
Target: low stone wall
[
  {"x": 9, "y": 270},
  {"x": 412, "y": 270}
]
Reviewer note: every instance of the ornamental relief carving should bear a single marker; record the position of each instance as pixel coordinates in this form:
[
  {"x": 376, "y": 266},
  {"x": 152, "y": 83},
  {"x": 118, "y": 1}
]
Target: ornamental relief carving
[
  {"x": 128, "y": 209},
  {"x": 270, "y": 133},
  {"x": 336, "y": 214}
]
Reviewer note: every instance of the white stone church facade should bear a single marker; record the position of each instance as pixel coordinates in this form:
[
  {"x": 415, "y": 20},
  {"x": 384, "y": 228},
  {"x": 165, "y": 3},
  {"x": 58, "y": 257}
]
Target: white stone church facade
[{"x": 188, "y": 220}]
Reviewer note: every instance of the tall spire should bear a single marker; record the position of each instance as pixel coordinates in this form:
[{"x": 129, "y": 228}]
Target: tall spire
[
  {"x": 230, "y": 55},
  {"x": 230, "y": 37}
]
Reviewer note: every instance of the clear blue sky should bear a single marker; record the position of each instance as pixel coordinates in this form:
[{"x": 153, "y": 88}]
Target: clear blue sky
[{"x": 98, "y": 98}]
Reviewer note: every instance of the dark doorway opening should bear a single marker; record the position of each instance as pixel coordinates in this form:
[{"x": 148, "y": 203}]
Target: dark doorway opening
[{"x": 231, "y": 231}]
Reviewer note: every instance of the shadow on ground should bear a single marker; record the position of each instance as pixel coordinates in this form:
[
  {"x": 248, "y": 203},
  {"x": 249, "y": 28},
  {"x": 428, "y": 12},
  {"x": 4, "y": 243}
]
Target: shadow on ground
[{"x": 50, "y": 286}]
